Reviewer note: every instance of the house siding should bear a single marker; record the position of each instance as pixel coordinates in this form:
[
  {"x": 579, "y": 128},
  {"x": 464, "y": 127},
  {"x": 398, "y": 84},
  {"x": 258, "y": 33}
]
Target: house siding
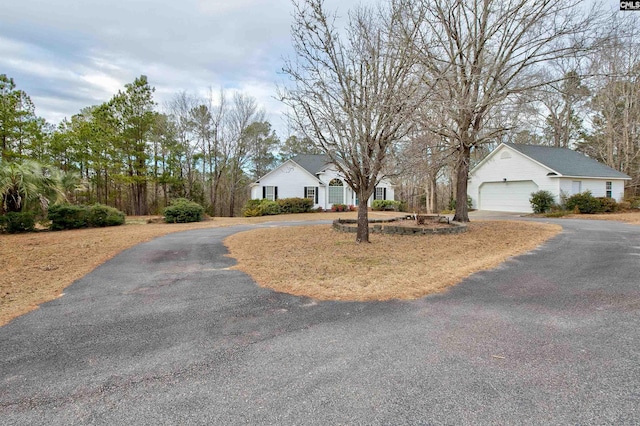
[
  {"x": 597, "y": 187},
  {"x": 291, "y": 179},
  {"x": 516, "y": 167}
]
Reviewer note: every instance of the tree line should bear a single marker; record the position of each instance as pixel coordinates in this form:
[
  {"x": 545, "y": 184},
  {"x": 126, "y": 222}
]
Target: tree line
[
  {"x": 129, "y": 154},
  {"x": 416, "y": 90}
]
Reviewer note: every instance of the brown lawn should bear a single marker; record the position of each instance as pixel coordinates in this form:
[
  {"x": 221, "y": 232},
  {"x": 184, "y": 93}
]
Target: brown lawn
[
  {"x": 629, "y": 217},
  {"x": 321, "y": 263}
]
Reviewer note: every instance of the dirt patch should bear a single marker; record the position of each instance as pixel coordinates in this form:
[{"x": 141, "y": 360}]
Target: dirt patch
[{"x": 324, "y": 264}]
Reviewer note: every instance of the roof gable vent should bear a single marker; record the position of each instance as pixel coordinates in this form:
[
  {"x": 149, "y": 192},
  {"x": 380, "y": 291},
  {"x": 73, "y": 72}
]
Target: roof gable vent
[{"x": 505, "y": 155}]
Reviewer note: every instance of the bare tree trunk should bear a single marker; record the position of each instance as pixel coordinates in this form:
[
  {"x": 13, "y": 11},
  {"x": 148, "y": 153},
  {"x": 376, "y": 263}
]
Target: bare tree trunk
[
  {"x": 462, "y": 170},
  {"x": 362, "y": 236}
]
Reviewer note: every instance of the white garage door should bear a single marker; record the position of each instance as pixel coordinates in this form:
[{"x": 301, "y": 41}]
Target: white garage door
[{"x": 507, "y": 196}]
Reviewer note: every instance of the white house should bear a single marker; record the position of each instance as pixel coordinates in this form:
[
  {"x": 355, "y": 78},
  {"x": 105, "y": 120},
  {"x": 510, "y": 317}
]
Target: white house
[
  {"x": 505, "y": 179},
  {"x": 313, "y": 176}
]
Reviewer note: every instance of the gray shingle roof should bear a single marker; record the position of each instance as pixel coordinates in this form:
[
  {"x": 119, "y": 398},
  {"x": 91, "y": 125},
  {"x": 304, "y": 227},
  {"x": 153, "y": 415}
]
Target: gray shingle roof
[
  {"x": 313, "y": 163},
  {"x": 567, "y": 162}
]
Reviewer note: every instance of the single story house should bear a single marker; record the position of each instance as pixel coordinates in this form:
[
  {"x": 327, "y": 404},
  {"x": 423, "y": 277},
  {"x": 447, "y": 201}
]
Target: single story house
[
  {"x": 505, "y": 179},
  {"x": 313, "y": 176}
]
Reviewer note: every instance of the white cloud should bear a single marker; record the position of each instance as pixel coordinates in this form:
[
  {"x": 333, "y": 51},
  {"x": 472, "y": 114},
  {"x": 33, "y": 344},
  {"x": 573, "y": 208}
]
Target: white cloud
[{"x": 70, "y": 54}]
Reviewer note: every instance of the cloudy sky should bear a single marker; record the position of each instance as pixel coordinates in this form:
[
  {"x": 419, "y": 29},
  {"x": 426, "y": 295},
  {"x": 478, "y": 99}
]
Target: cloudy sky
[{"x": 69, "y": 54}]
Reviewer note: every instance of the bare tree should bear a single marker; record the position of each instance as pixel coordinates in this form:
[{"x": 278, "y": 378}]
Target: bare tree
[
  {"x": 614, "y": 136},
  {"x": 480, "y": 55},
  {"x": 243, "y": 114},
  {"x": 355, "y": 90}
]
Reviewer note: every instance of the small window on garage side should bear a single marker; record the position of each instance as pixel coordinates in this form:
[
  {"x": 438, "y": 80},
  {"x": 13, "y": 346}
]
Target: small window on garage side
[{"x": 609, "y": 189}]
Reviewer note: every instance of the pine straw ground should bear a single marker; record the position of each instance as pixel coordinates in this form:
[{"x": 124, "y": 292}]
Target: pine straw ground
[{"x": 324, "y": 264}]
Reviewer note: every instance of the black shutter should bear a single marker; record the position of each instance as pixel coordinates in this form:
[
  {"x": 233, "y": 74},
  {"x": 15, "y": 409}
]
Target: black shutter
[
  {"x": 264, "y": 192},
  {"x": 384, "y": 196},
  {"x": 304, "y": 192},
  {"x": 375, "y": 192},
  {"x": 317, "y": 194},
  {"x": 275, "y": 192}
]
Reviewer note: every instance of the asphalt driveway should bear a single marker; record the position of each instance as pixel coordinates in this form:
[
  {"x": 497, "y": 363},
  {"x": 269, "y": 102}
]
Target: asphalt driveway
[{"x": 165, "y": 334}]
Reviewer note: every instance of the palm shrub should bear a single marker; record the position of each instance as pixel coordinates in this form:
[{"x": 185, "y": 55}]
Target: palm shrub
[
  {"x": 541, "y": 201},
  {"x": 182, "y": 210},
  {"x": 27, "y": 184}
]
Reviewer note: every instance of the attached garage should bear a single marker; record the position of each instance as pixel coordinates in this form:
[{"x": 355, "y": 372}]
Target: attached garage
[{"x": 509, "y": 196}]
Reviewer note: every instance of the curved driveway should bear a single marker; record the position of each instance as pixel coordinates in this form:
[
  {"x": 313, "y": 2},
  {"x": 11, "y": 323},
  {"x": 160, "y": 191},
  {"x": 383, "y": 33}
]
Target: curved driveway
[{"x": 165, "y": 334}]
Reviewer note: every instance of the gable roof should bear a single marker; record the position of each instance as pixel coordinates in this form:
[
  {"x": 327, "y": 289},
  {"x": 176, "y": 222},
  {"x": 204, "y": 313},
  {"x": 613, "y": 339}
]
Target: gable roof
[
  {"x": 313, "y": 163},
  {"x": 567, "y": 162}
]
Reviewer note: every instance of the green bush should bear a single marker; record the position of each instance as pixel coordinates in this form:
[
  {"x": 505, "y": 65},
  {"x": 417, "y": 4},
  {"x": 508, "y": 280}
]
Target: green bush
[
  {"x": 269, "y": 208},
  {"x": 386, "y": 205},
  {"x": 67, "y": 216},
  {"x": 16, "y": 222},
  {"x": 541, "y": 201},
  {"x": 182, "y": 210},
  {"x": 251, "y": 208},
  {"x": 584, "y": 202},
  {"x": 295, "y": 205},
  {"x": 100, "y": 215},
  {"x": 607, "y": 205},
  {"x": 262, "y": 207}
]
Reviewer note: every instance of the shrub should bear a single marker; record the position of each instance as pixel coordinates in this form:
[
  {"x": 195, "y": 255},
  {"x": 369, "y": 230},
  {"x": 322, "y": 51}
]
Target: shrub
[
  {"x": 607, "y": 205},
  {"x": 100, "y": 215},
  {"x": 452, "y": 203},
  {"x": 634, "y": 202},
  {"x": 624, "y": 205},
  {"x": 385, "y": 205},
  {"x": 251, "y": 208},
  {"x": 541, "y": 201},
  {"x": 269, "y": 208},
  {"x": 67, "y": 216},
  {"x": 584, "y": 202},
  {"x": 295, "y": 205},
  {"x": 182, "y": 210},
  {"x": 339, "y": 208},
  {"x": 15, "y": 222}
]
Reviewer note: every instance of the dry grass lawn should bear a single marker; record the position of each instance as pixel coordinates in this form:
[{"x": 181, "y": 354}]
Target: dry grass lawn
[
  {"x": 629, "y": 217},
  {"x": 321, "y": 263}
]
